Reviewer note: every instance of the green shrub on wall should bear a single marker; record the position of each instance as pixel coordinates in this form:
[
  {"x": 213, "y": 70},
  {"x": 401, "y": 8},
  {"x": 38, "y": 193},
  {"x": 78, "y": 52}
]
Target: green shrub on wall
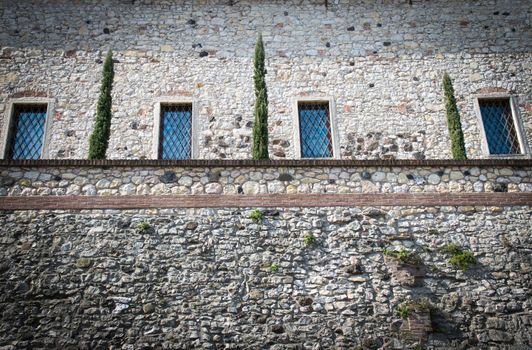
[
  {"x": 453, "y": 120},
  {"x": 260, "y": 124},
  {"x": 99, "y": 139},
  {"x": 461, "y": 259},
  {"x": 256, "y": 216},
  {"x": 404, "y": 256}
]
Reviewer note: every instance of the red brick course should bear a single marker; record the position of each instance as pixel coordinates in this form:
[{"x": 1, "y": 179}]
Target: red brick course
[
  {"x": 224, "y": 163},
  {"x": 267, "y": 200}
]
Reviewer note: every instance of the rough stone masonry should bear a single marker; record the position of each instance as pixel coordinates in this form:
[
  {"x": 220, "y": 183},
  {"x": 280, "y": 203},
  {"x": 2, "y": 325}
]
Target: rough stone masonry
[
  {"x": 216, "y": 279},
  {"x": 289, "y": 276},
  {"x": 241, "y": 276},
  {"x": 379, "y": 64},
  {"x": 246, "y": 180}
]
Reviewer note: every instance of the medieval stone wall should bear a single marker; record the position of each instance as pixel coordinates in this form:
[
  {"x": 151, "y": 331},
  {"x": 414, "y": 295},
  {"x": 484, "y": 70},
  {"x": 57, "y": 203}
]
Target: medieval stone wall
[
  {"x": 276, "y": 257},
  {"x": 214, "y": 278},
  {"x": 380, "y": 63}
]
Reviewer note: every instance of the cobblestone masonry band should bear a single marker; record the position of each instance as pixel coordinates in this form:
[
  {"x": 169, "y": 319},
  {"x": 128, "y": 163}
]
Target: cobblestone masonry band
[
  {"x": 270, "y": 201},
  {"x": 64, "y": 178}
]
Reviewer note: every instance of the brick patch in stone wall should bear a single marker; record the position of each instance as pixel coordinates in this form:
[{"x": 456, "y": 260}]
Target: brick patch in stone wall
[{"x": 272, "y": 200}]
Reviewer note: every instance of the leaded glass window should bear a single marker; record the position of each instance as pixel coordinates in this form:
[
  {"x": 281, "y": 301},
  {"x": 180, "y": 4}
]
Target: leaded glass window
[
  {"x": 499, "y": 127},
  {"x": 26, "y": 137},
  {"x": 175, "y": 140},
  {"x": 315, "y": 130}
]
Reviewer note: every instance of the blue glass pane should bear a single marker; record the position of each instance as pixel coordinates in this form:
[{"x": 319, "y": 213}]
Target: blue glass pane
[
  {"x": 315, "y": 130},
  {"x": 28, "y": 132},
  {"x": 176, "y": 128},
  {"x": 499, "y": 126}
]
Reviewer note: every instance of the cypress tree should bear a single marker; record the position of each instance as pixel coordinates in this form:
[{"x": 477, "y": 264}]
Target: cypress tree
[
  {"x": 260, "y": 124},
  {"x": 453, "y": 120},
  {"x": 99, "y": 139}
]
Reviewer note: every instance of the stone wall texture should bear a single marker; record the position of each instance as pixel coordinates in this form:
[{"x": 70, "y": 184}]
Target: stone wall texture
[
  {"x": 216, "y": 279},
  {"x": 380, "y": 62},
  {"x": 279, "y": 269},
  {"x": 245, "y": 180},
  {"x": 290, "y": 276}
]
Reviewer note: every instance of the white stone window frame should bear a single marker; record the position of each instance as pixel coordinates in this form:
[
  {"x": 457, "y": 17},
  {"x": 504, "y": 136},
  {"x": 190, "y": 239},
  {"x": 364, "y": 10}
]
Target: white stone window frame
[
  {"x": 170, "y": 100},
  {"x": 519, "y": 128},
  {"x": 9, "y": 119},
  {"x": 332, "y": 116}
]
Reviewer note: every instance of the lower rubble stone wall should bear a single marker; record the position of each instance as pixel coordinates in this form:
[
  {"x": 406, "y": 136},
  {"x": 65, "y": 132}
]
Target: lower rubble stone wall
[{"x": 214, "y": 278}]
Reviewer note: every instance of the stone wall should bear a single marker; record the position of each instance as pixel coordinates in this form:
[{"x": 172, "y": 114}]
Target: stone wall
[
  {"x": 252, "y": 180},
  {"x": 204, "y": 278},
  {"x": 380, "y": 62}
]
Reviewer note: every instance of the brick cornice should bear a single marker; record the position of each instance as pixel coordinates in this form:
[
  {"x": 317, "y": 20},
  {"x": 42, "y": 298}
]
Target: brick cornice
[
  {"x": 267, "y": 200},
  {"x": 202, "y": 163}
]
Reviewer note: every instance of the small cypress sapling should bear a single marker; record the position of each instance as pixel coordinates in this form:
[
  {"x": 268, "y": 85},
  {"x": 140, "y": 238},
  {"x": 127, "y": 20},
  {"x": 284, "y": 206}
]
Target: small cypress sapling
[
  {"x": 99, "y": 139},
  {"x": 453, "y": 120},
  {"x": 260, "y": 124}
]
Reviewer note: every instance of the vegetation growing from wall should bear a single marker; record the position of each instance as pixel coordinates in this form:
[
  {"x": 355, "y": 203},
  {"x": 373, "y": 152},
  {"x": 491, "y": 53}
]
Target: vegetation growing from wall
[
  {"x": 274, "y": 268},
  {"x": 309, "y": 239},
  {"x": 407, "y": 308},
  {"x": 256, "y": 216},
  {"x": 260, "y": 124},
  {"x": 453, "y": 120},
  {"x": 143, "y": 227},
  {"x": 99, "y": 139},
  {"x": 403, "y": 311},
  {"x": 459, "y": 258},
  {"x": 404, "y": 256}
]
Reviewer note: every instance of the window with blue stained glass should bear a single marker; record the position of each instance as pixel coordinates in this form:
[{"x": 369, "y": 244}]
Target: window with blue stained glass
[
  {"x": 176, "y": 132},
  {"x": 315, "y": 130},
  {"x": 27, "y": 133},
  {"x": 499, "y": 126}
]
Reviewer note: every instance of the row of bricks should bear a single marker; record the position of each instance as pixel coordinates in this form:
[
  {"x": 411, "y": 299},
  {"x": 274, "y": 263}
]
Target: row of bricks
[
  {"x": 271, "y": 200},
  {"x": 520, "y": 163}
]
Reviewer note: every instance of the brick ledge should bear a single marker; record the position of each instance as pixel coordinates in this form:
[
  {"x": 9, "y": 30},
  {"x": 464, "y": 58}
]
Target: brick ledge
[
  {"x": 271, "y": 200},
  {"x": 201, "y": 163}
]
